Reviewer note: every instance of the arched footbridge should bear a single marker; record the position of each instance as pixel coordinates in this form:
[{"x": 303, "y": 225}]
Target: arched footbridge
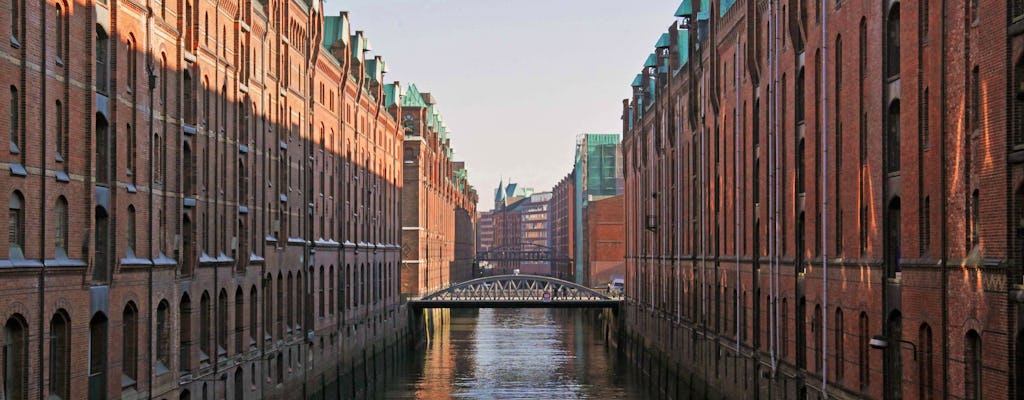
[{"x": 516, "y": 291}]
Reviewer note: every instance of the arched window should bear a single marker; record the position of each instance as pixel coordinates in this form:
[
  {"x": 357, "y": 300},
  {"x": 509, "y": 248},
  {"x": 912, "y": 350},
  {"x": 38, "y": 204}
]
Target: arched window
[
  {"x": 784, "y": 330},
  {"x": 290, "y": 294},
  {"x": 975, "y": 107},
  {"x": 892, "y": 138},
  {"x": 205, "y": 308},
  {"x": 15, "y": 117},
  {"x": 103, "y": 153},
  {"x": 322, "y": 296},
  {"x": 15, "y": 358},
  {"x": 185, "y": 334},
  {"x": 893, "y": 42},
  {"x": 163, "y": 358},
  {"x": 98, "y": 357},
  {"x": 1017, "y": 135},
  {"x": 60, "y": 356},
  {"x": 188, "y": 246},
  {"x": 972, "y": 366},
  {"x": 816, "y": 329},
  {"x": 801, "y": 89},
  {"x": 239, "y": 320},
  {"x": 130, "y": 345},
  {"x": 102, "y": 63},
  {"x": 239, "y": 386},
  {"x": 131, "y": 231},
  {"x": 925, "y": 375},
  {"x": 16, "y": 223},
  {"x": 17, "y": 13},
  {"x": 101, "y": 254},
  {"x": 132, "y": 67},
  {"x": 330, "y": 296},
  {"x": 895, "y": 237},
  {"x": 280, "y": 306},
  {"x": 894, "y": 373},
  {"x": 222, "y": 323},
  {"x": 840, "y": 344},
  {"x": 864, "y": 357},
  {"x": 253, "y": 314}
]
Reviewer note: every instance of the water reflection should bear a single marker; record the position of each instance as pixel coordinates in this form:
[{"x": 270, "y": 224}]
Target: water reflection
[{"x": 515, "y": 354}]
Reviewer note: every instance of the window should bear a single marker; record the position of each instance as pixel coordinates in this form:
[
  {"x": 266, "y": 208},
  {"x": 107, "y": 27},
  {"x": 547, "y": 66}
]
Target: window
[
  {"x": 975, "y": 207},
  {"x": 784, "y": 330},
  {"x": 15, "y": 358},
  {"x": 60, "y": 239},
  {"x": 103, "y": 153},
  {"x": 926, "y": 376},
  {"x": 62, "y": 132},
  {"x": 892, "y": 139},
  {"x": 188, "y": 171},
  {"x": 800, "y": 89},
  {"x": 816, "y": 328},
  {"x": 16, "y": 223},
  {"x": 290, "y": 293},
  {"x": 924, "y": 124},
  {"x": 130, "y": 345},
  {"x": 98, "y": 357},
  {"x": 15, "y": 126},
  {"x": 330, "y": 297},
  {"x": 132, "y": 65},
  {"x": 972, "y": 366},
  {"x": 222, "y": 323},
  {"x": 894, "y": 239},
  {"x": 893, "y": 42},
  {"x": 102, "y": 64},
  {"x": 60, "y": 356},
  {"x": 865, "y": 357},
  {"x": 101, "y": 253},
  {"x": 280, "y": 306},
  {"x": 801, "y": 174},
  {"x": 204, "y": 329},
  {"x": 16, "y": 20},
  {"x": 322, "y": 309},
  {"x": 185, "y": 334},
  {"x": 839, "y": 350},
  {"x": 975, "y": 108},
  {"x": 131, "y": 150},
  {"x": 162, "y": 334},
  {"x": 239, "y": 319},
  {"x": 189, "y": 92},
  {"x": 253, "y": 313},
  {"x": 131, "y": 230},
  {"x": 1017, "y": 138},
  {"x": 974, "y": 11}
]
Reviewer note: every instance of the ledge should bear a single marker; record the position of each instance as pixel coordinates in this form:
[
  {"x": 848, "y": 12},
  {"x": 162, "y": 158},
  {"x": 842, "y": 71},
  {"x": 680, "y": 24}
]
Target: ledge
[{"x": 18, "y": 170}]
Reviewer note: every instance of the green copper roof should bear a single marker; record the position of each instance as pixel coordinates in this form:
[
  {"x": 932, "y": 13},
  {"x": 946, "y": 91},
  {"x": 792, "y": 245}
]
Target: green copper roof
[
  {"x": 663, "y": 42},
  {"x": 685, "y": 8},
  {"x": 335, "y": 29},
  {"x": 392, "y": 93},
  {"x": 705, "y": 10},
  {"x": 638, "y": 81},
  {"x": 412, "y": 98},
  {"x": 375, "y": 69},
  {"x": 652, "y": 61},
  {"x": 358, "y": 46},
  {"x": 724, "y": 6},
  {"x": 684, "y": 46}
]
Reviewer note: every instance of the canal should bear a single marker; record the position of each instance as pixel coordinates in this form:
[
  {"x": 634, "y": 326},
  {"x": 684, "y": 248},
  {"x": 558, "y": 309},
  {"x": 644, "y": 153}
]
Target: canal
[{"x": 514, "y": 354}]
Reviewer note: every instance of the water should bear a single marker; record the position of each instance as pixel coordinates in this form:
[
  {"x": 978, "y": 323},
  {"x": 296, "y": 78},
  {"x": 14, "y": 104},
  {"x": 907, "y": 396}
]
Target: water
[{"x": 515, "y": 354}]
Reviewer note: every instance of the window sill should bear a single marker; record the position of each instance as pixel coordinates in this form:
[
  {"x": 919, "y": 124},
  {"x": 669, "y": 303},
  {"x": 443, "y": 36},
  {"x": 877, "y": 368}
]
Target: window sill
[{"x": 15, "y": 43}]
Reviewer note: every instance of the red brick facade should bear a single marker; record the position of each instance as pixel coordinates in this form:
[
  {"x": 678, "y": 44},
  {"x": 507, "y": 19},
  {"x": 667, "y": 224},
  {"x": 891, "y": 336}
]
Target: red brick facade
[
  {"x": 207, "y": 199},
  {"x": 438, "y": 203},
  {"x": 561, "y": 220},
  {"x": 922, "y": 198},
  {"x": 606, "y": 244}
]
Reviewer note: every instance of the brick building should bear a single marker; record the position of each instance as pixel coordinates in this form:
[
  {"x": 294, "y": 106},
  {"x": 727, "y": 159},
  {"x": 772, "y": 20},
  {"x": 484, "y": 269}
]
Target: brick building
[
  {"x": 768, "y": 145},
  {"x": 606, "y": 243},
  {"x": 534, "y": 231},
  {"x": 438, "y": 204},
  {"x": 561, "y": 224},
  {"x": 598, "y": 175},
  {"x": 235, "y": 177}
]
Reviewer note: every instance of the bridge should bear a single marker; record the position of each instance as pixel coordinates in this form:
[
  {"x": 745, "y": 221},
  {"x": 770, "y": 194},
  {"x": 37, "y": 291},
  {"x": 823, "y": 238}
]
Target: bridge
[{"x": 516, "y": 291}]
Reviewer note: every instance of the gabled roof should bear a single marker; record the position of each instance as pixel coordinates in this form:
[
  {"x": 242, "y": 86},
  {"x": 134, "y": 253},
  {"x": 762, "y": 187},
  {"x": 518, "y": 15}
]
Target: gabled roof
[
  {"x": 412, "y": 97},
  {"x": 392, "y": 92},
  {"x": 335, "y": 29},
  {"x": 652, "y": 61},
  {"x": 663, "y": 42}
]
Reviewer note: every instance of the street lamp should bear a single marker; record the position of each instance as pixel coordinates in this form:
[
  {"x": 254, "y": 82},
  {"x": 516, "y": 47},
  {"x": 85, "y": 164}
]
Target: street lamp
[{"x": 880, "y": 342}]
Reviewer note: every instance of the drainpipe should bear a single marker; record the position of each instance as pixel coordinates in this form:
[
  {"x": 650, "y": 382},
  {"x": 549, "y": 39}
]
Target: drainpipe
[
  {"x": 736, "y": 191},
  {"x": 824, "y": 200},
  {"x": 943, "y": 263},
  {"x": 42, "y": 216},
  {"x": 771, "y": 176},
  {"x": 149, "y": 271}
]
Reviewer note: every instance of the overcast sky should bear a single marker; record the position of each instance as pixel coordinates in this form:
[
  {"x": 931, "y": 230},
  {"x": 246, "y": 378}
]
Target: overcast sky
[{"x": 516, "y": 80}]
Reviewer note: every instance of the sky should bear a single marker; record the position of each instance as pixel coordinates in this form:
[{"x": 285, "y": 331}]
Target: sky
[{"x": 516, "y": 80}]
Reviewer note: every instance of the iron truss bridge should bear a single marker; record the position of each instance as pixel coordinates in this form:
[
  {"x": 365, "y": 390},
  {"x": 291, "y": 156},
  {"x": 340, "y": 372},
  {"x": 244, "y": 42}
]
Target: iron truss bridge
[
  {"x": 516, "y": 291},
  {"x": 521, "y": 253}
]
